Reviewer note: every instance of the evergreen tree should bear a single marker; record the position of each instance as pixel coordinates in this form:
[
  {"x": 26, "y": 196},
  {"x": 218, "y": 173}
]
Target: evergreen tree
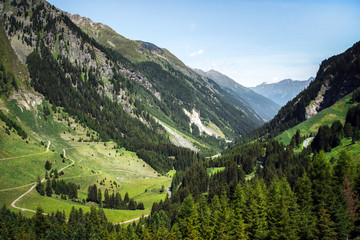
[
  {"x": 307, "y": 219},
  {"x": 126, "y": 198},
  {"x": 41, "y": 223},
  {"x": 238, "y": 228},
  {"x": 99, "y": 198},
  {"x": 47, "y": 165},
  {"x": 106, "y": 199},
  {"x": 283, "y": 211},
  {"x": 49, "y": 190},
  {"x": 255, "y": 215},
  {"x": 325, "y": 227}
]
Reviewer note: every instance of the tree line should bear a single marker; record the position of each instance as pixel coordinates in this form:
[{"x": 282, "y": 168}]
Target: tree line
[{"x": 112, "y": 200}]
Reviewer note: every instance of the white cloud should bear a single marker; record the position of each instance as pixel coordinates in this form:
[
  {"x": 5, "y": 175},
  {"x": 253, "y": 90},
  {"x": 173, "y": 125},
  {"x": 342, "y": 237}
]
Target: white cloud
[{"x": 197, "y": 53}]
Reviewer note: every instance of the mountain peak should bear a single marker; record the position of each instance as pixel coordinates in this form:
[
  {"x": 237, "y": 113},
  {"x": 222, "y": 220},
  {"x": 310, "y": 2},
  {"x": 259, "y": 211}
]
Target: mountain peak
[
  {"x": 151, "y": 47},
  {"x": 86, "y": 22},
  {"x": 282, "y": 91}
]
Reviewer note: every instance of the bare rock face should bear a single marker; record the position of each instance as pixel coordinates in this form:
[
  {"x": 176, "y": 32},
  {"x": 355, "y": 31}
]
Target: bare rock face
[
  {"x": 313, "y": 108},
  {"x": 84, "y": 21}
]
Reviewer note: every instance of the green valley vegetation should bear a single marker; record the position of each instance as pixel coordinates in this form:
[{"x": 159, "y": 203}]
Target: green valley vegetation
[{"x": 82, "y": 153}]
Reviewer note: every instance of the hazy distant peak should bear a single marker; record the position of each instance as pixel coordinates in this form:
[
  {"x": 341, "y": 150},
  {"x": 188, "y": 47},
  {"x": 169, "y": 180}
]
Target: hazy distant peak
[{"x": 282, "y": 91}]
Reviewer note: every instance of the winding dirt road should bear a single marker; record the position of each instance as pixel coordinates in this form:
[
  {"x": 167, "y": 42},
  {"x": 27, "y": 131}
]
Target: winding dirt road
[
  {"x": 307, "y": 141},
  {"x": 13, "y": 204},
  {"x": 131, "y": 220},
  {"x": 29, "y": 155}
]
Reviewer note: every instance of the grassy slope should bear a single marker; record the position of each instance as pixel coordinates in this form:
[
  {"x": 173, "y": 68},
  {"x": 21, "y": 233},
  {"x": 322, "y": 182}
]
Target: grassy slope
[
  {"x": 93, "y": 163},
  {"x": 326, "y": 117},
  {"x": 346, "y": 144}
]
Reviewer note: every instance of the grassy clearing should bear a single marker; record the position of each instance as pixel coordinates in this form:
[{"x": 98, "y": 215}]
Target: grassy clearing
[
  {"x": 170, "y": 173},
  {"x": 211, "y": 171},
  {"x": 348, "y": 146},
  {"x": 49, "y": 204},
  {"x": 326, "y": 117},
  {"x": 95, "y": 162},
  {"x": 215, "y": 128}
]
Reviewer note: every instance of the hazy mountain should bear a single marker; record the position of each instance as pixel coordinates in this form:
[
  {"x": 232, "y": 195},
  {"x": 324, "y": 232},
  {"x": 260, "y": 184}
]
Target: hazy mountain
[
  {"x": 283, "y": 91},
  {"x": 337, "y": 76},
  {"x": 263, "y": 106}
]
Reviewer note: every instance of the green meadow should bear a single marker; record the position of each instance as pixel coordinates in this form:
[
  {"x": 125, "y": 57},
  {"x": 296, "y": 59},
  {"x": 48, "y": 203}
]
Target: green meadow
[
  {"x": 326, "y": 117},
  {"x": 22, "y": 162}
]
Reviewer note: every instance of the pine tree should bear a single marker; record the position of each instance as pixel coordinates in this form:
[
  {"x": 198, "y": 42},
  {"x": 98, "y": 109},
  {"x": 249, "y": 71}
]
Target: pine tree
[
  {"x": 255, "y": 215},
  {"x": 126, "y": 198},
  {"x": 325, "y": 228},
  {"x": 106, "y": 199},
  {"x": 307, "y": 219},
  {"x": 47, "y": 165},
  {"x": 238, "y": 228},
  {"x": 283, "y": 211},
  {"x": 41, "y": 223},
  {"x": 49, "y": 190},
  {"x": 99, "y": 198}
]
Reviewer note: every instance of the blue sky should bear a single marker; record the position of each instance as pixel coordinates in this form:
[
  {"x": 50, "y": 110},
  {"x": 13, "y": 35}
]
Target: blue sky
[{"x": 250, "y": 41}]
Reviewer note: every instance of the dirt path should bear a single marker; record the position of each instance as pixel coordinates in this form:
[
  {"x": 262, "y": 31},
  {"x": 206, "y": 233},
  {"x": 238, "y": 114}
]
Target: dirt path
[
  {"x": 47, "y": 148},
  {"x": 9, "y": 189},
  {"x": 307, "y": 141},
  {"x": 13, "y": 204},
  {"x": 132, "y": 220},
  {"x": 29, "y": 155}
]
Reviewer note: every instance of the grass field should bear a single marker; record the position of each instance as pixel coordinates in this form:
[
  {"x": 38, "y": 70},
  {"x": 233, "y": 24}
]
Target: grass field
[
  {"x": 326, "y": 117},
  {"x": 22, "y": 161},
  {"x": 211, "y": 171},
  {"x": 347, "y": 145}
]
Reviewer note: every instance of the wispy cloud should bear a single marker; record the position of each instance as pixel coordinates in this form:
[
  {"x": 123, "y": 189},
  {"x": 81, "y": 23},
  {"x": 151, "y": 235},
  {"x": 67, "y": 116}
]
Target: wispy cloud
[
  {"x": 197, "y": 53},
  {"x": 192, "y": 27}
]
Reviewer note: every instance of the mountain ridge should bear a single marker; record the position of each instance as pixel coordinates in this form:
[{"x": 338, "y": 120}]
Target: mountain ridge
[
  {"x": 337, "y": 76},
  {"x": 282, "y": 91},
  {"x": 263, "y": 106}
]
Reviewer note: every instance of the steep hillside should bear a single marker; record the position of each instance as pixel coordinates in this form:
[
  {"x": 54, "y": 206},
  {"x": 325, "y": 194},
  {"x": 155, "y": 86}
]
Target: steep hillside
[
  {"x": 187, "y": 88},
  {"x": 263, "y": 106},
  {"x": 325, "y": 117},
  {"x": 337, "y": 77},
  {"x": 283, "y": 91}
]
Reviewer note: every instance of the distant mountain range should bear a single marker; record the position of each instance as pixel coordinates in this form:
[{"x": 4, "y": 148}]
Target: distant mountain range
[
  {"x": 263, "y": 106},
  {"x": 283, "y": 91},
  {"x": 337, "y": 76}
]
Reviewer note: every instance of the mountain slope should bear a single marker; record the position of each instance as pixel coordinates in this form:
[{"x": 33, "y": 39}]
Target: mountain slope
[
  {"x": 119, "y": 98},
  {"x": 263, "y": 106},
  {"x": 168, "y": 74},
  {"x": 337, "y": 76},
  {"x": 283, "y": 91},
  {"x": 325, "y": 117}
]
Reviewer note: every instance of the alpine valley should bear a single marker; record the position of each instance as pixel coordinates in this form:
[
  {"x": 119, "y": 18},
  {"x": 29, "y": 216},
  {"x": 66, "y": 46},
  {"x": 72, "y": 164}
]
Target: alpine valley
[{"x": 102, "y": 137}]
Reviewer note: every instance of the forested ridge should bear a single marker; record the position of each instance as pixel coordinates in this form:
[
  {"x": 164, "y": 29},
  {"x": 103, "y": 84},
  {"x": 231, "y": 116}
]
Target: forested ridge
[
  {"x": 113, "y": 96},
  {"x": 291, "y": 195},
  {"x": 336, "y": 77}
]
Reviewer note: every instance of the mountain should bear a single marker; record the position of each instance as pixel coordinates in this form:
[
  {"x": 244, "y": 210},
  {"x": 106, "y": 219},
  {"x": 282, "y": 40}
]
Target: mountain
[
  {"x": 98, "y": 76},
  {"x": 337, "y": 76},
  {"x": 166, "y": 72},
  {"x": 263, "y": 106},
  {"x": 283, "y": 91}
]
